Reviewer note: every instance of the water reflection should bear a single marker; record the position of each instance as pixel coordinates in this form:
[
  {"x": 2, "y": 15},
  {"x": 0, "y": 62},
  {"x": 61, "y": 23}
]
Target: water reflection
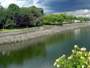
[
  {"x": 76, "y": 33},
  {"x": 35, "y": 50},
  {"x": 43, "y": 52},
  {"x": 17, "y": 57}
]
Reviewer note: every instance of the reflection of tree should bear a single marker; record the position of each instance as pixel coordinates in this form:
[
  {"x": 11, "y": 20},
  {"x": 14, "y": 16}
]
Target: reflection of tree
[
  {"x": 59, "y": 37},
  {"x": 76, "y": 33},
  {"x": 34, "y": 51}
]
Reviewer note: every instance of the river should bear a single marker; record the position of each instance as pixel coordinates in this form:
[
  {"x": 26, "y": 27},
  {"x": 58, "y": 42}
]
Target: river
[{"x": 42, "y": 54}]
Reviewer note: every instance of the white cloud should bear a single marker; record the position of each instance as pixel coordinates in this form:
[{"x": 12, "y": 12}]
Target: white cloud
[{"x": 5, "y": 3}]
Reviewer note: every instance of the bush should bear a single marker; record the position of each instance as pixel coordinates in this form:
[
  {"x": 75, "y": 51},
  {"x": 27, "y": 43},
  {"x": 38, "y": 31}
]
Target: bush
[
  {"x": 37, "y": 22},
  {"x": 9, "y": 24},
  {"x": 60, "y": 19},
  {"x": 16, "y": 17},
  {"x": 80, "y": 58},
  {"x": 53, "y": 19}
]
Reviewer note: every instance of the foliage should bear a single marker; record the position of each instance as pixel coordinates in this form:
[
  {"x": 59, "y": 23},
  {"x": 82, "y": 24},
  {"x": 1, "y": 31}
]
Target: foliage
[
  {"x": 9, "y": 24},
  {"x": 80, "y": 58},
  {"x": 55, "y": 19},
  {"x": 15, "y": 17},
  {"x": 83, "y": 19},
  {"x": 59, "y": 19}
]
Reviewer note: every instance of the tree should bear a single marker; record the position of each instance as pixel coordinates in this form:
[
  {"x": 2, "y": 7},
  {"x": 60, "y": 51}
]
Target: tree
[
  {"x": 2, "y": 17},
  {"x": 12, "y": 10},
  {"x": 13, "y": 7},
  {"x": 34, "y": 15},
  {"x": 20, "y": 17},
  {"x": 36, "y": 11},
  {"x": 9, "y": 24}
]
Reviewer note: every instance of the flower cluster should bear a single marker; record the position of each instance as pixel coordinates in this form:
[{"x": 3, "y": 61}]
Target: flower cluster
[{"x": 80, "y": 58}]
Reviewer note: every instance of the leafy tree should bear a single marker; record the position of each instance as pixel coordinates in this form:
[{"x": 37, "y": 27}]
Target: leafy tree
[
  {"x": 9, "y": 24},
  {"x": 2, "y": 17},
  {"x": 53, "y": 19},
  {"x": 22, "y": 20},
  {"x": 13, "y": 8},
  {"x": 36, "y": 11},
  {"x": 34, "y": 15}
]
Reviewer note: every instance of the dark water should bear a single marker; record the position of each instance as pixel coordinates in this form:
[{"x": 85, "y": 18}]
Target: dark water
[{"x": 43, "y": 53}]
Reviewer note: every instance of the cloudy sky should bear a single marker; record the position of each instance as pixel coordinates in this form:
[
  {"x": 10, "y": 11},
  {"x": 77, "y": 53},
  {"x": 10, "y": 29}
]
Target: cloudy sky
[{"x": 51, "y": 5}]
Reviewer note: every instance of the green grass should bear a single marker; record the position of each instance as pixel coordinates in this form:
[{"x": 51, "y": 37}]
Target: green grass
[
  {"x": 9, "y": 30},
  {"x": 33, "y": 29}
]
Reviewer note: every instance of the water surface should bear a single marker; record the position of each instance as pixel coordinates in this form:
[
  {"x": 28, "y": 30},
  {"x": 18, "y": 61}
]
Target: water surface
[{"x": 43, "y": 53}]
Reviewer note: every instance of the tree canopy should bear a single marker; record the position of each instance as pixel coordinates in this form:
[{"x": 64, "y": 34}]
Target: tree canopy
[{"x": 20, "y": 17}]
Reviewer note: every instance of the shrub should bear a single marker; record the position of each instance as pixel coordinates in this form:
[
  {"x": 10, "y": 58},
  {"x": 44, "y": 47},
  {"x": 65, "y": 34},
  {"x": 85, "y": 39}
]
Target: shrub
[
  {"x": 80, "y": 58},
  {"x": 16, "y": 17},
  {"x": 53, "y": 19},
  {"x": 9, "y": 24},
  {"x": 37, "y": 22}
]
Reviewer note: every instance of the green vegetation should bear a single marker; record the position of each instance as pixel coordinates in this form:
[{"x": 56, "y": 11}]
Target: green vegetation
[
  {"x": 80, "y": 58},
  {"x": 18, "y": 56},
  {"x": 60, "y": 19},
  {"x": 53, "y": 19},
  {"x": 15, "y": 17}
]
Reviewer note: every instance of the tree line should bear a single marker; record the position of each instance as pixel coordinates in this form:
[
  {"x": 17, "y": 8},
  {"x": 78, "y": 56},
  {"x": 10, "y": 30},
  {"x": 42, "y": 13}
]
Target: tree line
[
  {"x": 16, "y": 17},
  {"x": 60, "y": 19}
]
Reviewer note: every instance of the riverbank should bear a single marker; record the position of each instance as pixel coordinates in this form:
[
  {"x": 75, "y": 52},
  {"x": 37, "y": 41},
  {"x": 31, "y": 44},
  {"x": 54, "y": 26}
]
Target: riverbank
[
  {"x": 10, "y": 40},
  {"x": 35, "y": 32}
]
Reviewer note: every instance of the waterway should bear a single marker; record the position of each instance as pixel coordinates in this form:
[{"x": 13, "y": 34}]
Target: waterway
[{"x": 43, "y": 53}]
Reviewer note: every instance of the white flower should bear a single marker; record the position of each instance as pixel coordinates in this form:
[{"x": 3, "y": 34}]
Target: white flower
[
  {"x": 57, "y": 60},
  {"x": 83, "y": 66},
  {"x": 82, "y": 57},
  {"x": 63, "y": 56},
  {"x": 73, "y": 51},
  {"x": 55, "y": 64},
  {"x": 70, "y": 57},
  {"x": 75, "y": 46},
  {"x": 85, "y": 54},
  {"x": 58, "y": 65},
  {"x": 83, "y": 49}
]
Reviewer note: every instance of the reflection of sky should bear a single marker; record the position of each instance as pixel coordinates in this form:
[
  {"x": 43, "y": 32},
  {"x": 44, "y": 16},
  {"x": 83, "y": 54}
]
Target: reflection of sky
[{"x": 51, "y": 5}]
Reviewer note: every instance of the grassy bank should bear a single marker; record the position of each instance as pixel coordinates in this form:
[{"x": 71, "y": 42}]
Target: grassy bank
[
  {"x": 15, "y": 40},
  {"x": 35, "y": 32}
]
